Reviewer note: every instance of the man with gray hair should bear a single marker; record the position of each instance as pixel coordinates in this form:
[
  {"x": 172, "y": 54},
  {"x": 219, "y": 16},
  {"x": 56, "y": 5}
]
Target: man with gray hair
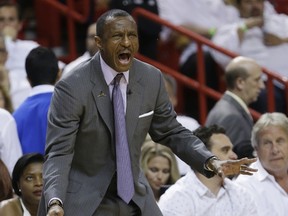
[{"x": 269, "y": 186}]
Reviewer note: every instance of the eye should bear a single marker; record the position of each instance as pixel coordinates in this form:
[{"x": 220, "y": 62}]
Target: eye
[
  {"x": 225, "y": 149},
  {"x": 133, "y": 35},
  {"x": 266, "y": 142},
  {"x": 281, "y": 141},
  {"x": 153, "y": 169},
  {"x": 117, "y": 36},
  {"x": 166, "y": 171},
  {"x": 29, "y": 178}
]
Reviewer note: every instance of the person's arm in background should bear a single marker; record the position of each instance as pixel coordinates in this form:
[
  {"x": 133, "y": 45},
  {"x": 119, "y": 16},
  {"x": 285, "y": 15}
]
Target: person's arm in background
[
  {"x": 247, "y": 24},
  {"x": 231, "y": 36},
  {"x": 10, "y": 148}
]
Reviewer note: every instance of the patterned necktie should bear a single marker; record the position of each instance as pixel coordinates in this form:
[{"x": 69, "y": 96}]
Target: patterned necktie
[{"x": 125, "y": 185}]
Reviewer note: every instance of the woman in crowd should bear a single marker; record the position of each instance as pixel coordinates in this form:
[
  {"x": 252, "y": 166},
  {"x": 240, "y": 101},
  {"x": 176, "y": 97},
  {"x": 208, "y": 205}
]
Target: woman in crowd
[
  {"x": 6, "y": 191},
  {"x": 160, "y": 167},
  {"x": 27, "y": 183}
]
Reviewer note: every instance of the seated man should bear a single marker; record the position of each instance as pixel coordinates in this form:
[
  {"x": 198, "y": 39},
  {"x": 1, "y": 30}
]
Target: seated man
[
  {"x": 244, "y": 83},
  {"x": 269, "y": 186},
  {"x": 195, "y": 194}
]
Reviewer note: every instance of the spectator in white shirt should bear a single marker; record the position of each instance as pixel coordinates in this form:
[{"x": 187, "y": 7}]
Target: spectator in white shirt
[
  {"x": 91, "y": 49},
  {"x": 195, "y": 194},
  {"x": 269, "y": 186},
  {"x": 10, "y": 25},
  {"x": 10, "y": 149}
]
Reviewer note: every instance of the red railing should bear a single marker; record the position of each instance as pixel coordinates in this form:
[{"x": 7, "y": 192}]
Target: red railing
[
  {"x": 199, "y": 84},
  {"x": 71, "y": 12},
  {"x": 73, "y": 16}
]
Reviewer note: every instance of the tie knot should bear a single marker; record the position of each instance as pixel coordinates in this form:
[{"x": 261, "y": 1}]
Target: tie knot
[{"x": 117, "y": 78}]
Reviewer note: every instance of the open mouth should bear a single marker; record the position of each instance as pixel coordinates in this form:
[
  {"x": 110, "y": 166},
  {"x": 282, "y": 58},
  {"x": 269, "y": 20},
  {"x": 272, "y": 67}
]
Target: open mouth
[{"x": 124, "y": 58}]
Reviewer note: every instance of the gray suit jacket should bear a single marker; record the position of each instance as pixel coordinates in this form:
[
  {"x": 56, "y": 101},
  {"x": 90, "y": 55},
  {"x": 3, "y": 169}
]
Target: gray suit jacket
[
  {"x": 80, "y": 152},
  {"x": 229, "y": 114}
]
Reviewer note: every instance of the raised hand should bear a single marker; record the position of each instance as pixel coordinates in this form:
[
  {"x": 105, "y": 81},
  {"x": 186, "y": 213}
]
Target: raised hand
[{"x": 234, "y": 167}]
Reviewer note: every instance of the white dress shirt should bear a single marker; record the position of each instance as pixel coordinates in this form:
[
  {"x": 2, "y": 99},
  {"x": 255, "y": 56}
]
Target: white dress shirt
[
  {"x": 270, "y": 198},
  {"x": 109, "y": 74},
  {"x": 189, "y": 197},
  {"x": 10, "y": 148}
]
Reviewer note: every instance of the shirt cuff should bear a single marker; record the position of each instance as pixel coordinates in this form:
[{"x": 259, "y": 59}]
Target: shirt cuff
[{"x": 54, "y": 198}]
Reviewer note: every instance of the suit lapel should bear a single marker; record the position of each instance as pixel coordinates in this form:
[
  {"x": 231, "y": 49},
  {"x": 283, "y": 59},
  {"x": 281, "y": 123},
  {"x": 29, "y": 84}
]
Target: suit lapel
[
  {"x": 134, "y": 101},
  {"x": 101, "y": 94},
  {"x": 238, "y": 107}
]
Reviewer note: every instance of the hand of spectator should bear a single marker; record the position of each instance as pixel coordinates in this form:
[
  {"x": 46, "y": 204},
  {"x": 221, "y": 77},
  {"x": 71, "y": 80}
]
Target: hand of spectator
[
  {"x": 234, "y": 167},
  {"x": 254, "y": 21},
  {"x": 272, "y": 40},
  {"x": 55, "y": 210},
  {"x": 9, "y": 31},
  {"x": 248, "y": 24}
]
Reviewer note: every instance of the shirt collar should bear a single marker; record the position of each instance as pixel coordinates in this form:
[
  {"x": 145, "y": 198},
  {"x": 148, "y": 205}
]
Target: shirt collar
[
  {"x": 40, "y": 89},
  {"x": 239, "y": 100},
  {"x": 109, "y": 73},
  {"x": 202, "y": 190},
  {"x": 261, "y": 174}
]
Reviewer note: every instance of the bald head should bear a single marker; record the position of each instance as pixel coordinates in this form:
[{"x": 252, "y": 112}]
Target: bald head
[
  {"x": 239, "y": 67},
  {"x": 243, "y": 77}
]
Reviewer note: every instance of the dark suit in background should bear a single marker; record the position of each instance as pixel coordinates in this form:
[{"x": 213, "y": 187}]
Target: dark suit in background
[{"x": 237, "y": 123}]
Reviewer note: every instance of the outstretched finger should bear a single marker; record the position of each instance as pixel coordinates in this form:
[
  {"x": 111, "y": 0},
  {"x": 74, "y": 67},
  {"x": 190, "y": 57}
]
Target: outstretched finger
[
  {"x": 248, "y": 160},
  {"x": 244, "y": 172}
]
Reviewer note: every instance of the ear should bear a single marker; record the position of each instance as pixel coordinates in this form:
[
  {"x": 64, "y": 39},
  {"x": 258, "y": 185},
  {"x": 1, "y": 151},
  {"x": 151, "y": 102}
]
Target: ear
[
  {"x": 18, "y": 184},
  {"x": 240, "y": 83},
  {"x": 98, "y": 42},
  {"x": 59, "y": 74}
]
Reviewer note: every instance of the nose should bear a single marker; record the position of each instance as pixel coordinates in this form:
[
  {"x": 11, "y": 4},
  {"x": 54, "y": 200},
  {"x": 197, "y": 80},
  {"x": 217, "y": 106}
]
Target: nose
[
  {"x": 126, "y": 41},
  {"x": 261, "y": 84},
  {"x": 233, "y": 156},
  {"x": 39, "y": 181},
  {"x": 275, "y": 148},
  {"x": 159, "y": 175}
]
